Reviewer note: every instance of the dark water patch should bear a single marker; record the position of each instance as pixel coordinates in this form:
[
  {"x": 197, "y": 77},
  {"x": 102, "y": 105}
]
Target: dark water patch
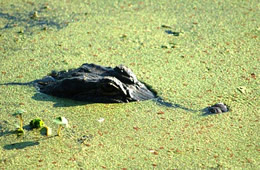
[
  {"x": 4, "y": 130},
  {"x": 172, "y": 32},
  {"x": 58, "y": 102},
  {"x": 24, "y": 20},
  {"x": 41, "y": 16},
  {"x": 7, "y": 132},
  {"x": 161, "y": 102},
  {"x": 20, "y": 145}
]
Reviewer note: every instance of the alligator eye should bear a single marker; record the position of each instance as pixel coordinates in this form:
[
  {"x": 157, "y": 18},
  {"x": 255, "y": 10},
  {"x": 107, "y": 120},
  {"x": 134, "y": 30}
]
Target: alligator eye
[{"x": 109, "y": 87}]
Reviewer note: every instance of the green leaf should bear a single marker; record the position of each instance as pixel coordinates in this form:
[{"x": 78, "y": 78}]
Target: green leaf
[
  {"x": 61, "y": 121},
  {"x": 19, "y": 112}
]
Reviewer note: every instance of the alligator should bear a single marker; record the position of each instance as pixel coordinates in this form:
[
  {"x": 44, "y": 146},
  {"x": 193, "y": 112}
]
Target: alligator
[{"x": 94, "y": 83}]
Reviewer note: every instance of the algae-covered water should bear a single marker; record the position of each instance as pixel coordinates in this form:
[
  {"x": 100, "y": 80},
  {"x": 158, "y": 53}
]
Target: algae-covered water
[{"x": 193, "y": 53}]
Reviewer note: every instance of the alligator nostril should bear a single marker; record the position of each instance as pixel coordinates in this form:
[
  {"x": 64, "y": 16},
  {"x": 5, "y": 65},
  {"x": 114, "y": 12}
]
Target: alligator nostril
[{"x": 218, "y": 108}]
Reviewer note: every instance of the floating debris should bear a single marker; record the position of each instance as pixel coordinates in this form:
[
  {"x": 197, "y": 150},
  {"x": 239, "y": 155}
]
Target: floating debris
[
  {"x": 100, "y": 120},
  {"x": 85, "y": 138},
  {"x": 172, "y": 32},
  {"x": 242, "y": 89},
  {"x": 166, "y": 26},
  {"x": 36, "y": 123},
  {"x": 34, "y": 15}
]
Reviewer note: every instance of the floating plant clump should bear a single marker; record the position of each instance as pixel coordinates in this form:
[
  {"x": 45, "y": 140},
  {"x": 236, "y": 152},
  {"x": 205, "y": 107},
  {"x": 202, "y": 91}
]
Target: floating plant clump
[{"x": 36, "y": 123}]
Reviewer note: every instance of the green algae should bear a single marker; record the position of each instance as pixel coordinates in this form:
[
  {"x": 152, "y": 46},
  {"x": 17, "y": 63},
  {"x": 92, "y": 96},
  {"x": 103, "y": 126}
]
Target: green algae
[{"x": 215, "y": 53}]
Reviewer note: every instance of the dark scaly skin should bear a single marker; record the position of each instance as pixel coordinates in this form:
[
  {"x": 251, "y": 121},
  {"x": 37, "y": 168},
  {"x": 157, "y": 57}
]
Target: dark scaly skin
[{"x": 94, "y": 83}]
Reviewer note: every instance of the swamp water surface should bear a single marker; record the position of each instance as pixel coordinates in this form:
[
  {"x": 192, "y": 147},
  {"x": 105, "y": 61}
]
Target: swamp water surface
[{"x": 193, "y": 53}]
